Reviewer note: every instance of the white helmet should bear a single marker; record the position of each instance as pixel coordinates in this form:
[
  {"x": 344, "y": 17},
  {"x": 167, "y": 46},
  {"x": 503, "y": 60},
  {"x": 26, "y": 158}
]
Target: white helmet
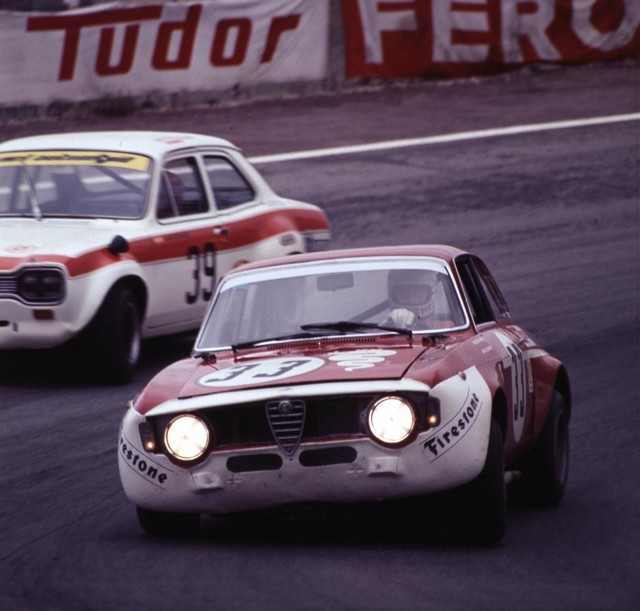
[{"x": 413, "y": 289}]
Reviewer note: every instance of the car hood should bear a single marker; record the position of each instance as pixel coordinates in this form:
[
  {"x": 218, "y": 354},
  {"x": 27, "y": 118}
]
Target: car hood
[
  {"x": 28, "y": 239},
  {"x": 329, "y": 362}
]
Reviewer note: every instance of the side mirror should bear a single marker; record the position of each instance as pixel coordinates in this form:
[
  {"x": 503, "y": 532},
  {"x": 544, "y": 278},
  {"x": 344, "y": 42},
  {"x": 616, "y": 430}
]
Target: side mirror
[{"x": 118, "y": 245}]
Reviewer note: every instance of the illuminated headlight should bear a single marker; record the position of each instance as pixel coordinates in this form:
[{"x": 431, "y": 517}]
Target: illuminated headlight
[
  {"x": 391, "y": 420},
  {"x": 186, "y": 437}
]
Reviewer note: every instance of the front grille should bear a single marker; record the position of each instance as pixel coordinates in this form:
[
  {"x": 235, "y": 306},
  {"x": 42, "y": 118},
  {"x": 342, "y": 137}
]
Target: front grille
[
  {"x": 324, "y": 418},
  {"x": 286, "y": 421},
  {"x": 34, "y": 286},
  {"x": 8, "y": 286}
]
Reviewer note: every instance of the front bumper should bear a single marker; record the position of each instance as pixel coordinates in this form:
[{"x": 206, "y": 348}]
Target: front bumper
[{"x": 242, "y": 480}]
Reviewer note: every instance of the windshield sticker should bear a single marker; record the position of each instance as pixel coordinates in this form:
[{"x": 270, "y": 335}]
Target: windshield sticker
[
  {"x": 261, "y": 372},
  {"x": 92, "y": 158},
  {"x": 360, "y": 359}
]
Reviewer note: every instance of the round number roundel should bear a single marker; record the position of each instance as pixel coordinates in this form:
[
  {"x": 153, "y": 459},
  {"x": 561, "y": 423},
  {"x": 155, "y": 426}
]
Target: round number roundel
[{"x": 261, "y": 372}]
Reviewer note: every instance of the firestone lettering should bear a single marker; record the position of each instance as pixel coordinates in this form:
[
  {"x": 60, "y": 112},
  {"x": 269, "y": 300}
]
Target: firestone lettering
[
  {"x": 455, "y": 429},
  {"x": 140, "y": 465}
]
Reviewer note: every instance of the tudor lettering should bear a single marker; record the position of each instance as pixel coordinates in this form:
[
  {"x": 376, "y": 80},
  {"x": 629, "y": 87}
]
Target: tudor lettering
[
  {"x": 231, "y": 41},
  {"x": 454, "y": 430}
]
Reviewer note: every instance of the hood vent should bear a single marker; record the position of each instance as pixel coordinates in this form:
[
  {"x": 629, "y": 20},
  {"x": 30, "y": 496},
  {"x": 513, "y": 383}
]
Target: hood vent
[{"x": 316, "y": 341}]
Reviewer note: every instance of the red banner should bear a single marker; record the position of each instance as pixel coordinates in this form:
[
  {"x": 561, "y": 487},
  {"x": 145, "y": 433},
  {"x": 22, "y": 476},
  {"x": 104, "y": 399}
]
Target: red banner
[{"x": 414, "y": 38}]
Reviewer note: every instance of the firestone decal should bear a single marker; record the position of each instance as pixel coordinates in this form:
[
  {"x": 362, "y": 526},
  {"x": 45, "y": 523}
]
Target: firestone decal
[
  {"x": 261, "y": 372},
  {"x": 452, "y": 432},
  {"x": 142, "y": 464},
  {"x": 360, "y": 359}
]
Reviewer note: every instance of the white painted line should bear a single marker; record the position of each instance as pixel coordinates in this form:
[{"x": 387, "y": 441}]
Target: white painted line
[{"x": 460, "y": 136}]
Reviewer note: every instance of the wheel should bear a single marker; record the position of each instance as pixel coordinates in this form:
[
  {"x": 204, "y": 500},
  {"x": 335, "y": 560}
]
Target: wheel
[
  {"x": 546, "y": 470},
  {"x": 486, "y": 495},
  {"x": 476, "y": 513},
  {"x": 114, "y": 336},
  {"x": 163, "y": 524}
]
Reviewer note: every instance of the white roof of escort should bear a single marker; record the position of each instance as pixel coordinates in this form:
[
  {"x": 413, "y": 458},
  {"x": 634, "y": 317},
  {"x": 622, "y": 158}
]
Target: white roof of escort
[{"x": 154, "y": 144}]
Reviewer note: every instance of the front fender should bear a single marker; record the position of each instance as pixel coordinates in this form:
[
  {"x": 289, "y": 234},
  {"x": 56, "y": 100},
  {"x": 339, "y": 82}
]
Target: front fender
[
  {"x": 465, "y": 423},
  {"x": 87, "y": 292}
]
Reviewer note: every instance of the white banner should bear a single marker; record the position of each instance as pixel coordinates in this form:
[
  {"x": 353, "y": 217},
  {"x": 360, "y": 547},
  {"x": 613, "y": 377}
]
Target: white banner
[{"x": 127, "y": 49}]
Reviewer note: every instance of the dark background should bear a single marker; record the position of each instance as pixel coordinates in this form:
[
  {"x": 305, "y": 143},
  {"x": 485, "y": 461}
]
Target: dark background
[{"x": 556, "y": 216}]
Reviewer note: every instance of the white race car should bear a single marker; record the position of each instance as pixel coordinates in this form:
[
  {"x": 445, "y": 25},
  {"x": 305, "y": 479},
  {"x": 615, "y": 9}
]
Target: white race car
[{"x": 109, "y": 237}]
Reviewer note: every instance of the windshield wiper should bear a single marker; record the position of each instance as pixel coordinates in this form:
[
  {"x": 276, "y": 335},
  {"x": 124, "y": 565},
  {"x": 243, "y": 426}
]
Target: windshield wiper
[
  {"x": 349, "y": 325},
  {"x": 307, "y": 333},
  {"x": 33, "y": 198}
]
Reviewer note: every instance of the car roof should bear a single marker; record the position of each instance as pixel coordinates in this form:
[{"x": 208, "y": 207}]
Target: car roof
[
  {"x": 439, "y": 251},
  {"x": 150, "y": 143}
]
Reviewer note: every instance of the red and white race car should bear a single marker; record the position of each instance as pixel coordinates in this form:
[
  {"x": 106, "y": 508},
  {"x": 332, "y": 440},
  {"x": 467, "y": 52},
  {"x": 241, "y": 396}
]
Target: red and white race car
[
  {"x": 123, "y": 235},
  {"x": 351, "y": 376}
]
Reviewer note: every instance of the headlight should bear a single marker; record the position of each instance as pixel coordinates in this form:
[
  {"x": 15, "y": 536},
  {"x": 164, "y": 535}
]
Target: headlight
[
  {"x": 41, "y": 286},
  {"x": 391, "y": 420},
  {"x": 186, "y": 437}
]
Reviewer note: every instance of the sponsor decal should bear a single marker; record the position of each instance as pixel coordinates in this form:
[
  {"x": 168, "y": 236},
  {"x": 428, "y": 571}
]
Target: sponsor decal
[
  {"x": 101, "y": 158},
  {"x": 360, "y": 359},
  {"x": 142, "y": 464},
  {"x": 400, "y": 38},
  {"x": 454, "y": 430},
  {"x": 261, "y": 372},
  {"x": 166, "y": 46},
  {"x": 21, "y": 248},
  {"x": 516, "y": 368}
]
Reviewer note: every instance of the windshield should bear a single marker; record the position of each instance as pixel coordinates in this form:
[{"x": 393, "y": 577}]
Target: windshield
[
  {"x": 93, "y": 184},
  {"x": 319, "y": 299}
]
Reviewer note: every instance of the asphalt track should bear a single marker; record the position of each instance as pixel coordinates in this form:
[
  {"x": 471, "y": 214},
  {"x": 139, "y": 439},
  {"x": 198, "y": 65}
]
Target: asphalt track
[{"x": 555, "y": 214}]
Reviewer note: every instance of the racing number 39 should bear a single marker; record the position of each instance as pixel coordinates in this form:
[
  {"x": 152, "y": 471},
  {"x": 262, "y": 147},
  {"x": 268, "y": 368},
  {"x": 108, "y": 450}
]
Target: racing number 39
[{"x": 204, "y": 267}]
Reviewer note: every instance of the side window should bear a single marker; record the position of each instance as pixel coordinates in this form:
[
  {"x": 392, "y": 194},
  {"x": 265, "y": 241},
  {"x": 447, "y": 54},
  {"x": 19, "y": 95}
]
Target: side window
[
  {"x": 181, "y": 191},
  {"x": 492, "y": 292},
  {"x": 481, "y": 309},
  {"x": 229, "y": 186}
]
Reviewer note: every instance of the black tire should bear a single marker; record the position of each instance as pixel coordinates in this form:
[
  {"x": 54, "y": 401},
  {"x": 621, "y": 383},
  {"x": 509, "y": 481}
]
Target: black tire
[
  {"x": 476, "y": 513},
  {"x": 487, "y": 495},
  {"x": 161, "y": 524},
  {"x": 546, "y": 470},
  {"x": 114, "y": 337}
]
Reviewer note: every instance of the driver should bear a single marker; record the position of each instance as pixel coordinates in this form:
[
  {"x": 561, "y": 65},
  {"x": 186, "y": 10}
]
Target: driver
[{"x": 411, "y": 295}]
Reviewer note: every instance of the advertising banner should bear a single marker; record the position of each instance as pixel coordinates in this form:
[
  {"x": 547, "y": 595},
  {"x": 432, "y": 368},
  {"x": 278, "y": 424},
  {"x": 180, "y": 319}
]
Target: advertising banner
[
  {"x": 417, "y": 38},
  {"x": 127, "y": 49}
]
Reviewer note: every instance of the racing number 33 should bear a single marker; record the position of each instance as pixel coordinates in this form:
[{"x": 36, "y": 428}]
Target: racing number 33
[{"x": 204, "y": 264}]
